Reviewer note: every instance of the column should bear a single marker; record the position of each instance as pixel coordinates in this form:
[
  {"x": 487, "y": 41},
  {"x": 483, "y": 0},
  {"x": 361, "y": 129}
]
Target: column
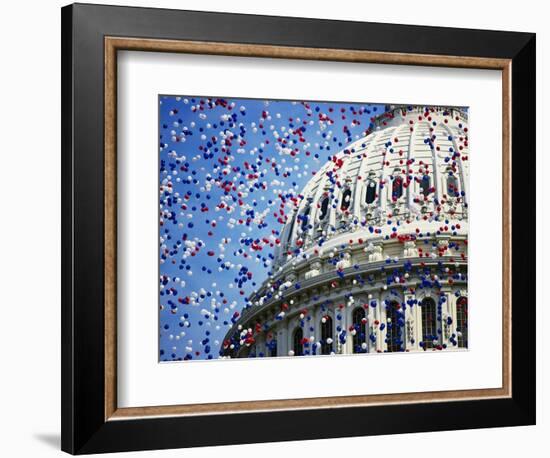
[
  {"x": 452, "y": 311},
  {"x": 411, "y": 328},
  {"x": 412, "y": 184},
  {"x": 308, "y": 324},
  {"x": 418, "y": 323},
  {"x": 371, "y": 317},
  {"x": 282, "y": 339},
  {"x": 260, "y": 347},
  {"x": 345, "y": 349},
  {"x": 438, "y": 180},
  {"x": 446, "y": 311},
  {"x": 317, "y": 327},
  {"x": 381, "y": 317},
  {"x": 346, "y": 323}
]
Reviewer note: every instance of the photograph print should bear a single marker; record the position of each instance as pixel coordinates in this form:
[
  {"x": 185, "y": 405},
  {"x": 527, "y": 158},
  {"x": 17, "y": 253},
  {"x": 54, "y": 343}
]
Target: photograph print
[{"x": 304, "y": 228}]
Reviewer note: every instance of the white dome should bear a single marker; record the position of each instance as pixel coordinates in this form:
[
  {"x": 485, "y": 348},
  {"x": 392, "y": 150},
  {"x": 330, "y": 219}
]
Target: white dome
[
  {"x": 412, "y": 151},
  {"x": 383, "y": 222}
]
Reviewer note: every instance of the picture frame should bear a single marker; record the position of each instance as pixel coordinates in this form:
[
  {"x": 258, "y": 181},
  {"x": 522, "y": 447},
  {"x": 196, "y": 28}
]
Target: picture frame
[{"x": 92, "y": 421}]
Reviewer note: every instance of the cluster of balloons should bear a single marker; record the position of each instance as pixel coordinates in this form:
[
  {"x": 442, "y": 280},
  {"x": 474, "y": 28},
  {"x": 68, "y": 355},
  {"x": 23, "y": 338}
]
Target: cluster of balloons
[{"x": 231, "y": 172}]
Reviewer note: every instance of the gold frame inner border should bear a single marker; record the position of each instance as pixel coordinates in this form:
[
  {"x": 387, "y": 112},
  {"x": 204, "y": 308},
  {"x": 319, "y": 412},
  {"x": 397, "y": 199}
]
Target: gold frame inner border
[{"x": 114, "y": 44}]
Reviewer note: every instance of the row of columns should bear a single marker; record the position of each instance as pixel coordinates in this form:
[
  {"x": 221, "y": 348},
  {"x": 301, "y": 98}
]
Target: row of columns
[{"x": 411, "y": 332}]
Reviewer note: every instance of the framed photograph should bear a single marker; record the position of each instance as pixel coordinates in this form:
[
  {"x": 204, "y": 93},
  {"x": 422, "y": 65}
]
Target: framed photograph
[{"x": 281, "y": 228}]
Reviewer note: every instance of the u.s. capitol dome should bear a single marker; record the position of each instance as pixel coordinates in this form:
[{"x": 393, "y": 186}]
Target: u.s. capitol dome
[{"x": 373, "y": 257}]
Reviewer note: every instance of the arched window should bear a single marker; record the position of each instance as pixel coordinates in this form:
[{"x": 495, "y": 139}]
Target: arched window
[
  {"x": 452, "y": 186},
  {"x": 425, "y": 186},
  {"x": 371, "y": 192},
  {"x": 297, "y": 345},
  {"x": 346, "y": 200},
  {"x": 324, "y": 208},
  {"x": 360, "y": 326},
  {"x": 462, "y": 321},
  {"x": 291, "y": 229},
  {"x": 273, "y": 348},
  {"x": 429, "y": 322},
  {"x": 326, "y": 335},
  {"x": 394, "y": 338},
  {"x": 305, "y": 219},
  {"x": 397, "y": 188}
]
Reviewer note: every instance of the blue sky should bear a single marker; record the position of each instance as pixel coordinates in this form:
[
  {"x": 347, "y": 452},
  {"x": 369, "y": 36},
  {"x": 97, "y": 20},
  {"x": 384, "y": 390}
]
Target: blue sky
[{"x": 239, "y": 164}]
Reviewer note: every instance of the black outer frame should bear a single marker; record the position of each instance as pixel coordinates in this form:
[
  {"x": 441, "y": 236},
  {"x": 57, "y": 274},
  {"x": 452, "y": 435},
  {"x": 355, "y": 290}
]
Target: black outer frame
[{"x": 84, "y": 429}]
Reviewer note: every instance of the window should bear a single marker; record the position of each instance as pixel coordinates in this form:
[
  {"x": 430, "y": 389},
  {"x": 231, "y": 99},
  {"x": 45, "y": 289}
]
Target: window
[
  {"x": 425, "y": 186},
  {"x": 452, "y": 186},
  {"x": 346, "y": 200},
  {"x": 305, "y": 218},
  {"x": 324, "y": 208},
  {"x": 297, "y": 345},
  {"x": 371, "y": 192},
  {"x": 326, "y": 335},
  {"x": 394, "y": 327},
  {"x": 462, "y": 321},
  {"x": 360, "y": 326},
  {"x": 397, "y": 188},
  {"x": 429, "y": 322}
]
